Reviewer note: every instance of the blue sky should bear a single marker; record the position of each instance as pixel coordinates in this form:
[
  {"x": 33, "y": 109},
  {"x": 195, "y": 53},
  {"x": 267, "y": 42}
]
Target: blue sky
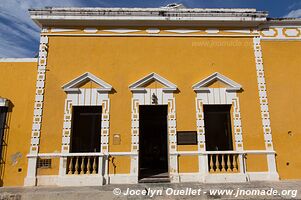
[{"x": 19, "y": 36}]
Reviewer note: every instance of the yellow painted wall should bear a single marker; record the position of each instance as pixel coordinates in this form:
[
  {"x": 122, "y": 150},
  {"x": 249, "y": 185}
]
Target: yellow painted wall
[
  {"x": 121, "y": 61},
  {"x": 282, "y": 64},
  {"x": 17, "y": 83}
]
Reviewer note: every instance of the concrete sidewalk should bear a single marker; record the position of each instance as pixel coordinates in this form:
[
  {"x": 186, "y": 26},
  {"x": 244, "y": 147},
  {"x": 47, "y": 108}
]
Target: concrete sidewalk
[{"x": 289, "y": 190}]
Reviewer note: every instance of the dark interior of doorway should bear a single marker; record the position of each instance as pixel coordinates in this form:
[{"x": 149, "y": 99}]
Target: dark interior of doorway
[
  {"x": 153, "y": 155},
  {"x": 218, "y": 132},
  {"x": 86, "y": 129}
]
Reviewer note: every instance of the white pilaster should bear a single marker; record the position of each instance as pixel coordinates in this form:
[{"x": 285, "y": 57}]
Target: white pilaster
[
  {"x": 264, "y": 107},
  {"x": 30, "y": 180}
]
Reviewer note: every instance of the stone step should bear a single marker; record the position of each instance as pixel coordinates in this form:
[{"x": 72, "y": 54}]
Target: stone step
[{"x": 155, "y": 180}]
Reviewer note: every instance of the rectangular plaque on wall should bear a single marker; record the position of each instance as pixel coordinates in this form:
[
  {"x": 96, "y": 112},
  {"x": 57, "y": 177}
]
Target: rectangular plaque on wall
[{"x": 186, "y": 137}]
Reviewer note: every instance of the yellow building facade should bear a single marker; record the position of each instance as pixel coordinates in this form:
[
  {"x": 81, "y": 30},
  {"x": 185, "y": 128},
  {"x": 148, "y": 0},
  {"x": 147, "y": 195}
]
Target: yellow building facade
[{"x": 157, "y": 94}]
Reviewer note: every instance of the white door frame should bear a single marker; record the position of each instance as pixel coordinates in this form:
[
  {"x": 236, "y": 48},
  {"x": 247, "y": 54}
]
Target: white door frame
[{"x": 165, "y": 96}]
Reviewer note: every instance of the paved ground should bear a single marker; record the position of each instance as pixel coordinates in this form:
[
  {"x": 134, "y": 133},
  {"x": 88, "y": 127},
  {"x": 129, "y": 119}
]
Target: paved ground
[{"x": 189, "y": 191}]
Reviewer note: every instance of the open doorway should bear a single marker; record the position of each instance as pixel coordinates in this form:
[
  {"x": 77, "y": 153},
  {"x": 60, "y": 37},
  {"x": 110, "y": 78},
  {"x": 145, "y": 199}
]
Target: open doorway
[
  {"x": 86, "y": 129},
  {"x": 218, "y": 132},
  {"x": 153, "y": 154}
]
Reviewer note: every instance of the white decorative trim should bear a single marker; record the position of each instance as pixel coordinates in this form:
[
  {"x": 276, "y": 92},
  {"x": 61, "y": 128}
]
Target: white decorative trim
[
  {"x": 121, "y": 30},
  {"x": 291, "y": 32},
  {"x": 138, "y": 85},
  {"x": 183, "y": 31},
  {"x": 269, "y": 33},
  {"x": 237, "y": 125},
  {"x": 200, "y": 123},
  {"x": 212, "y": 31},
  {"x": 86, "y": 97},
  {"x": 18, "y": 60},
  {"x": 90, "y": 30},
  {"x": 281, "y": 33},
  {"x": 201, "y": 85},
  {"x": 152, "y": 30},
  {"x": 143, "y": 96},
  {"x": 264, "y": 106},
  {"x": 265, "y": 115},
  {"x": 30, "y": 179},
  {"x": 216, "y": 96},
  {"x": 72, "y": 85},
  {"x": 150, "y": 35},
  {"x": 57, "y": 30},
  {"x": 238, "y": 31}
]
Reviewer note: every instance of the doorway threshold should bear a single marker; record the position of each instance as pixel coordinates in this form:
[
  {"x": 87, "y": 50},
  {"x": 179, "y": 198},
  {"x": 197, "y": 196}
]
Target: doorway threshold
[{"x": 155, "y": 180}]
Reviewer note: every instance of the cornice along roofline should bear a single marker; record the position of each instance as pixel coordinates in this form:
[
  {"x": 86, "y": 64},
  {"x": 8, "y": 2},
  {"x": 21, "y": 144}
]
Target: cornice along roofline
[{"x": 163, "y": 16}]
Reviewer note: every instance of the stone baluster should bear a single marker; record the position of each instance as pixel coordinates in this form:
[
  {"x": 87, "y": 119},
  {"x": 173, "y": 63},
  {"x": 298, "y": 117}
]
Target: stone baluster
[
  {"x": 223, "y": 163},
  {"x": 70, "y": 165},
  {"x": 88, "y": 166},
  {"x": 235, "y": 167},
  {"x": 82, "y": 166},
  {"x": 211, "y": 165},
  {"x": 217, "y": 164},
  {"x": 228, "y": 163},
  {"x": 76, "y": 166},
  {"x": 94, "y": 165}
]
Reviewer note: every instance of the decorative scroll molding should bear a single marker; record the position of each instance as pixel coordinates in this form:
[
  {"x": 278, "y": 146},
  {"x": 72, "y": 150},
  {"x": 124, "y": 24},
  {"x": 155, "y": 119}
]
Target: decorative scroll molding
[
  {"x": 152, "y": 30},
  {"x": 121, "y": 30},
  {"x": 90, "y": 30},
  {"x": 291, "y": 32},
  {"x": 212, "y": 31},
  {"x": 281, "y": 33},
  {"x": 30, "y": 180},
  {"x": 143, "y": 96},
  {"x": 57, "y": 30},
  {"x": 238, "y": 31},
  {"x": 182, "y": 31},
  {"x": 269, "y": 33}
]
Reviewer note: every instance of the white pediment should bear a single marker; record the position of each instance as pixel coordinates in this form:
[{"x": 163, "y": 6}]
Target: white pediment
[
  {"x": 203, "y": 84},
  {"x": 140, "y": 84},
  {"x": 73, "y": 86}
]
